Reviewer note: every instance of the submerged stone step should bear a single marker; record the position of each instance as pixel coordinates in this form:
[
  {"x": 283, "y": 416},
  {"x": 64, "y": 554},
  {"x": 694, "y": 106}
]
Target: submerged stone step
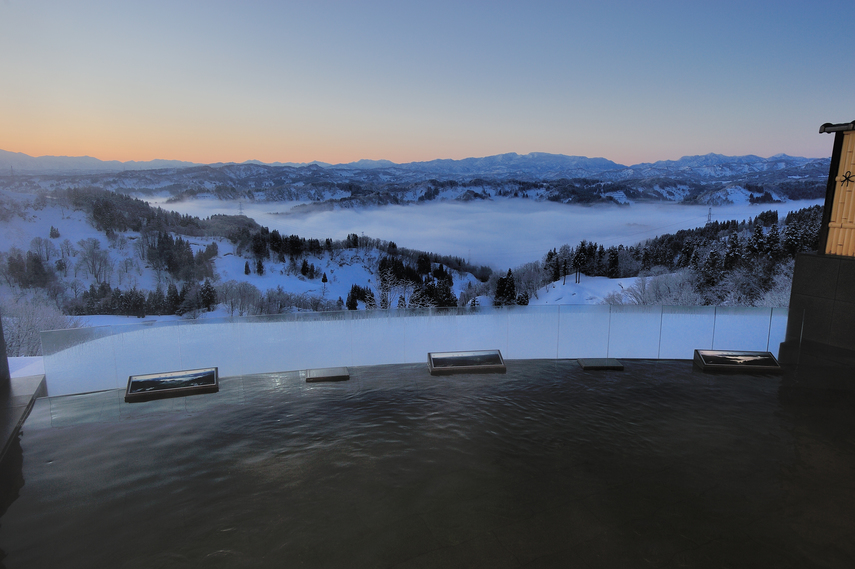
[
  {"x": 594, "y": 364},
  {"x": 327, "y": 374}
]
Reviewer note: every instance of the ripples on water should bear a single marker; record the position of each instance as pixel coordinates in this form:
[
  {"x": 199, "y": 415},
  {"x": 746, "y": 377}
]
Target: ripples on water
[{"x": 396, "y": 463}]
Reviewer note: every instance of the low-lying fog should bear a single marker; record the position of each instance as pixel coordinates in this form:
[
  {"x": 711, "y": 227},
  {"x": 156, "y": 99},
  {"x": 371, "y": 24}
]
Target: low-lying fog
[{"x": 502, "y": 233}]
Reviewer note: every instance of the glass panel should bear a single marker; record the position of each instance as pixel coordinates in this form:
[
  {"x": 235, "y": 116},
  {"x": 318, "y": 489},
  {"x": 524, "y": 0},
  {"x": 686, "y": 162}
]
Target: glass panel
[
  {"x": 741, "y": 328},
  {"x": 296, "y": 344},
  {"x": 151, "y": 347},
  {"x": 684, "y": 330},
  {"x": 379, "y": 339},
  {"x": 778, "y": 332},
  {"x": 211, "y": 343},
  {"x": 634, "y": 331},
  {"x": 93, "y": 359},
  {"x": 583, "y": 331},
  {"x": 532, "y": 332},
  {"x": 79, "y": 360},
  {"x": 486, "y": 329},
  {"x": 433, "y": 332}
]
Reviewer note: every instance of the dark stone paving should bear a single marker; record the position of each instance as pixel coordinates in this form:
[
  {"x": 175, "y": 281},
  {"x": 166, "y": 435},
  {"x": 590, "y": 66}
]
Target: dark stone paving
[{"x": 16, "y": 401}]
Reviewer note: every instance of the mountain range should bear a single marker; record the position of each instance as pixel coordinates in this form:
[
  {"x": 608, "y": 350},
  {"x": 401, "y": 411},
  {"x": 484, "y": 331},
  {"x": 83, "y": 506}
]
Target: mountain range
[{"x": 710, "y": 178}]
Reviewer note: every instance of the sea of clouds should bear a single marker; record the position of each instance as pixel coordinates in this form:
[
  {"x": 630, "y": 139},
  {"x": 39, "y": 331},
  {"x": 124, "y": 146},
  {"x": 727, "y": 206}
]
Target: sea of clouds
[{"x": 502, "y": 233}]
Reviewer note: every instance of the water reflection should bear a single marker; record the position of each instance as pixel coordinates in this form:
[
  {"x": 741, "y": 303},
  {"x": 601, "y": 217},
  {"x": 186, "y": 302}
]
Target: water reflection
[{"x": 659, "y": 463}]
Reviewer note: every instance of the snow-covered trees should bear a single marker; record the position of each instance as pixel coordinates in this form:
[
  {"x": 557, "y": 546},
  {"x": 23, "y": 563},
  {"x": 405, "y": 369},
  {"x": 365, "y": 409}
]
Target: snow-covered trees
[
  {"x": 94, "y": 260},
  {"x": 240, "y": 297},
  {"x": 665, "y": 288},
  {"x": 506, "y": 290},
  {"x": 23, "y": 322},
  {"x": 44, "y": 248},
  {"x": 208, "y": 295}
]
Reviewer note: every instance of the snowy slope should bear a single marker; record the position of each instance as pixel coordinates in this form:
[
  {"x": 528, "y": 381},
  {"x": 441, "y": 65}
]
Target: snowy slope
[
  {"x": 343, "y": 268},
  {"x": 591, "y": 290}
]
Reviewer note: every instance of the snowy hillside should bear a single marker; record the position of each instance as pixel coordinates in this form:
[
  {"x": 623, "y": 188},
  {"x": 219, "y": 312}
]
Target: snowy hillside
[
  {"x": 591, "y": 290},
  {"x": 28, "y": 222}
]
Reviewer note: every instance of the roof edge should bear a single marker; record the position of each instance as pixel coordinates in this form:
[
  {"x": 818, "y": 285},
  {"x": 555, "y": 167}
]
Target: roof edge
[{"x": 829, "y": 127}]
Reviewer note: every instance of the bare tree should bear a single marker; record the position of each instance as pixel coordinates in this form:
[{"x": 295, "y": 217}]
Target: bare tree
[
  {"x": 95, "y": 260},
  {"x": 140, "y": 247},
  {"x": 674, "y": 289},
  {"x": 76, "y": 287},
  {"x": 227, "y": 294},
  {"x": 249, "y": 298},
  {"x": 4, "y": 268},
  {"x": 44, "y": 248},
  {"x": 120, "y": 243},
  {"x": 530, "y": 277},
  {"x": 241, "y": 297},
  {"x": 66, "y": 249}
]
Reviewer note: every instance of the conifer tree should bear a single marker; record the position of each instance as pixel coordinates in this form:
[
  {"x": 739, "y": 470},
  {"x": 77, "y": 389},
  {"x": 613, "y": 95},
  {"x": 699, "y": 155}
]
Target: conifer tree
[
  {"x": 773, "y": 243},
  {"x": 614, "y": 263},
  {"x": 370, "y": 302},
  {"x": 757, "y": 243},
  {"x": 173, "y": 299},
  {"x": 208, "y": 295},
  {"x": 733, "y": 253},
  {"x": 156, "y": 302},
  {"x": 711, "y": 270},
  {"x": 506, "y": 290}
]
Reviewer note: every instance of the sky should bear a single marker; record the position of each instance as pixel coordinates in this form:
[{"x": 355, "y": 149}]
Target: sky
[{"x": 410, "y": 81}]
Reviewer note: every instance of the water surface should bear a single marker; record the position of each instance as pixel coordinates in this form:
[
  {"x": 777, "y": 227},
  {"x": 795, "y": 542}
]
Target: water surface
[{"x": 547, "y": 465}]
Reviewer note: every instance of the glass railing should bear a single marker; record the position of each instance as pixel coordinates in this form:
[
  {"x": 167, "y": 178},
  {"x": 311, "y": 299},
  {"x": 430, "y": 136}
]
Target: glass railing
[{"x": 94, "y": 359}]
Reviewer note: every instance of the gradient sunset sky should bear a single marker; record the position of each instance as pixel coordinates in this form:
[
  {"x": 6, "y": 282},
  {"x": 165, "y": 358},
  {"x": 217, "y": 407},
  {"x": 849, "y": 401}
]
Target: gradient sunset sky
[{"x": 632, "y": 81}]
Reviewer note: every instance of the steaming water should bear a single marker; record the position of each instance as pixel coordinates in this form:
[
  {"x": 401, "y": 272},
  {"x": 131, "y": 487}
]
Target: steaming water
[{"x": 396, "y": 466}]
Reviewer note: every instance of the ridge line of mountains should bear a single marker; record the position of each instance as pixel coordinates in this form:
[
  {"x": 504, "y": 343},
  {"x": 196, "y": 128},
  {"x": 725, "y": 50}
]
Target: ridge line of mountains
[
  {"x": 712, "y": 179},
  {"x": 508, "y": 163}
]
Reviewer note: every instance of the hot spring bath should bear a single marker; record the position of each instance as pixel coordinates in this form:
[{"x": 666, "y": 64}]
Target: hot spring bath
[{"x": 547, "y": 465}]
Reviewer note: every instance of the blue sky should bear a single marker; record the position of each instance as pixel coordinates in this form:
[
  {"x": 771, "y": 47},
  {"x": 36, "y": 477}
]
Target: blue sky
[{"x": 406, "y": 81}]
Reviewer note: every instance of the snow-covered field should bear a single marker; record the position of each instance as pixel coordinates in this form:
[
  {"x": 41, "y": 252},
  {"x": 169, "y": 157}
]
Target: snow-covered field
[{"x": 591, "y": 290}]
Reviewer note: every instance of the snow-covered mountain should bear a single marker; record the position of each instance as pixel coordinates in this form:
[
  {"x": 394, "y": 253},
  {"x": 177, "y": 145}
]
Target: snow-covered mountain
[
  {"x": 18, "y": 162},
  {"x": 711, "y": 178}
]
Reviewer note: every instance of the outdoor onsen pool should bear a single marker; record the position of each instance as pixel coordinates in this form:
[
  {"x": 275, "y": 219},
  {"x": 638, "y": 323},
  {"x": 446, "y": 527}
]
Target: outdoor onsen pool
[{"x": 546, "y": 466}]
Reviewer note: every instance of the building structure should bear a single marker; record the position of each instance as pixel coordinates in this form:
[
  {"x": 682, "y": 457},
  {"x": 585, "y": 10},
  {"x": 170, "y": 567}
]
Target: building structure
[{"x": 821, "y": 322}]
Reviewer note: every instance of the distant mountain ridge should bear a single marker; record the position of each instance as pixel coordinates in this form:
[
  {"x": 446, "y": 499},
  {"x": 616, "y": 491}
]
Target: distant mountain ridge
[
  {"x": 540, "y": 165},
  {"x": 712, "y": 179},
  {"x": 25, "y": 164}
]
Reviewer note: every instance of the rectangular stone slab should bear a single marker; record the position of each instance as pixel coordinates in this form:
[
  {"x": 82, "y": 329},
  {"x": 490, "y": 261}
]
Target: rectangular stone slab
[
  {"x": 477, "y": 361},
  {"x": 732, "y": 361},
  {"x": 147, "y": 387},
  {"x": 593, "y": 364},
  {"x": 327, "y": 374}
]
